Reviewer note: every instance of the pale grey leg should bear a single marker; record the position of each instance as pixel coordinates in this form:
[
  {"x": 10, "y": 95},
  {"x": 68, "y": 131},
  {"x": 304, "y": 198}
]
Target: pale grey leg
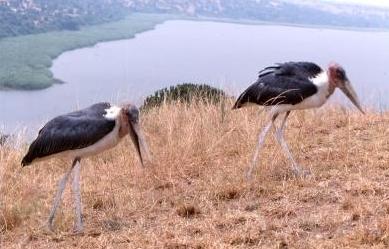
[
  {"x": 58, "y": 197},
  {"x": 78, "y": 225},
  {"x": 282, "y": 127},
  {"x": 261, "y": 140},
  {"x": 279, "y": 134}
]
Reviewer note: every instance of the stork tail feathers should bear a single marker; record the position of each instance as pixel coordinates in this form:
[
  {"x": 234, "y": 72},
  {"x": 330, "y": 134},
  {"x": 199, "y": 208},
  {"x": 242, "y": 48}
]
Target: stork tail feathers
[
  {"x": 237, "y": 105},
  {"x": 27, "y": 160},
  {"x": 242, "y": 99}
]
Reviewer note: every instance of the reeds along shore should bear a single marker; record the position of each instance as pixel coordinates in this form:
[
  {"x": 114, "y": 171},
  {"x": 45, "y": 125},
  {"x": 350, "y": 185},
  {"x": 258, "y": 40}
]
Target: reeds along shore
[{"x": 194, "y": 193}]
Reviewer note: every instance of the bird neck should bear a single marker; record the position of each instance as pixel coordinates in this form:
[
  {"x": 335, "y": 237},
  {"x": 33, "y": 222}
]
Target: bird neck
[
  {"x": 124, "y": 125},
  {"x": 331, "y": 84}
]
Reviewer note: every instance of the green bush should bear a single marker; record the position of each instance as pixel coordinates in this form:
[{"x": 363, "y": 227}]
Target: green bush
[{"x": 186, "y": 93}]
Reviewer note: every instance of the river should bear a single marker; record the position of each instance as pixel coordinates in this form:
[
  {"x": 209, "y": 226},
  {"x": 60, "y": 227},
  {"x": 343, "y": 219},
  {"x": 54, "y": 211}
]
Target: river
[{"x": 224, "y": 55}]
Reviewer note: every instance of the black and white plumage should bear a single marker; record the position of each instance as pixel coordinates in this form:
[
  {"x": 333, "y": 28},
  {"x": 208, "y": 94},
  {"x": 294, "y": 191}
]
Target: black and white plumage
[
  {"x": 84, "y": 133},
  {"x": 287, "y": 83},
  {"x": 293, "y": 86}
]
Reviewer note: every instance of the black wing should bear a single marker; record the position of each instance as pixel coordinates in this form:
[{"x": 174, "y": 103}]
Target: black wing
[
  {"x": 72, "y": 131},
  {"x": 302, "y": 69},
  {"x": 287, "y": 83}
]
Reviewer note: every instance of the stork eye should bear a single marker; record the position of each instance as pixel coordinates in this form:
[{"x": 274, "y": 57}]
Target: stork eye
[
  {"x": 133, "y": 114},
  {"x": 341, "y": 74}
]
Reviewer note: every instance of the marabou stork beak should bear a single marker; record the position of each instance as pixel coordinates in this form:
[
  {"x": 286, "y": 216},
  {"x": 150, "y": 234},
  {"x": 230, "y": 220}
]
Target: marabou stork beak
[
  {"x": 139, "y": 141},
  {"x": 349, "y": 91}
]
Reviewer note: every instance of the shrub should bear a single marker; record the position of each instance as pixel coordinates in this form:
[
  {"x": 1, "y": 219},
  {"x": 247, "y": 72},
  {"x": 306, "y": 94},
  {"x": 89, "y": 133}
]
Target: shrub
[
  {"x": 186, "y": 93},
  {"x": 4, "y": 139}
]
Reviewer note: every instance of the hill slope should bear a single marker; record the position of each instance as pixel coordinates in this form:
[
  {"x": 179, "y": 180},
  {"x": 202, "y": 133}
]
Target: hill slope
[{"x": 195, "y": 196}]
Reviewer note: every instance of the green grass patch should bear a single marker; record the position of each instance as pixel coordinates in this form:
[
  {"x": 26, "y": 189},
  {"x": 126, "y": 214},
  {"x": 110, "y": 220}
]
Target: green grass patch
[{"x": 25, "y": 61}]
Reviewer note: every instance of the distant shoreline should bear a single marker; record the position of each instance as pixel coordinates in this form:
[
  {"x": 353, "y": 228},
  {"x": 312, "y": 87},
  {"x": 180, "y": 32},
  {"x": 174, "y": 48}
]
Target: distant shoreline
[
  {"x": 296, "y": 25},
  {"x": 29, "y": 69}
]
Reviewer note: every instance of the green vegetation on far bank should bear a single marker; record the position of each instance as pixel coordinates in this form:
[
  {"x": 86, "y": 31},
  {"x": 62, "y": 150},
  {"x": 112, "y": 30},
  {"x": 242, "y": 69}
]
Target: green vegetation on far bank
[
  {"x": 39, "y": 16},
  {"x": 25, "y": 61}
]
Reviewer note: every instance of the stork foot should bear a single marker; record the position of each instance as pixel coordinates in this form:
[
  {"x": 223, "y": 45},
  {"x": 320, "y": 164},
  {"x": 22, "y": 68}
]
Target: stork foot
[
  {"x": 302, "y": 173},
  {"x": 249, "y": 175},
  {"x": 48, "y": 227},
  {"x": 78, "y": 229}
]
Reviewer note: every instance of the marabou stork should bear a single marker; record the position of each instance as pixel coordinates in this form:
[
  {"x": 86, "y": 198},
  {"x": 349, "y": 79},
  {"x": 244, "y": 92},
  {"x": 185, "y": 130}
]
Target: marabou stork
[
  {"x": 83, "y": 133},
  {"x": 293, "y": 86}
]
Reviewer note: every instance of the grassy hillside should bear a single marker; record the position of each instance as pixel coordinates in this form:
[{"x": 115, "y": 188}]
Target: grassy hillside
[
  {"x": 194, "y": 194},
  {"x": 25, "y": 60}
]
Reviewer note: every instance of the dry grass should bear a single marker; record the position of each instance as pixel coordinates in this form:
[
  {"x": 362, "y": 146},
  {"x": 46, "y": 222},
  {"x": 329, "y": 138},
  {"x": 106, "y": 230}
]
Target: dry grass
[{"x": 195, "y": 195}]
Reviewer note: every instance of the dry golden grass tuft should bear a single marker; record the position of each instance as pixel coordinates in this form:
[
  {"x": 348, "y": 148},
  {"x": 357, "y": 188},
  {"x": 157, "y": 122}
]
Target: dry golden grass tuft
[{"x": 194, "y": 194}]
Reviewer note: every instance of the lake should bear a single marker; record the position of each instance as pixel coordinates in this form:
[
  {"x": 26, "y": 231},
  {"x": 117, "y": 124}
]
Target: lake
[{"x": 224, "y": 55}]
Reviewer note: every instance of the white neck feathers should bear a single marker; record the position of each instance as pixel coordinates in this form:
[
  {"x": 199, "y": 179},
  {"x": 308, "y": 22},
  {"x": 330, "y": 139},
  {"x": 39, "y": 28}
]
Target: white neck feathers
[
  {"x": 321, "y": 80},
  {"x": 112, "y": 113}
]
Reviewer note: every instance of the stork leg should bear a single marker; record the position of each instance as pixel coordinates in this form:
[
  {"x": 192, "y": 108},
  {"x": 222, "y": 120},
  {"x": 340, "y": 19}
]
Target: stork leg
[
  {"x": 58, "y": 196},
  {"x": 279, "y": 134},
  {"x": 78, "y": 224},
  {"x": 261, "y": 140}
]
